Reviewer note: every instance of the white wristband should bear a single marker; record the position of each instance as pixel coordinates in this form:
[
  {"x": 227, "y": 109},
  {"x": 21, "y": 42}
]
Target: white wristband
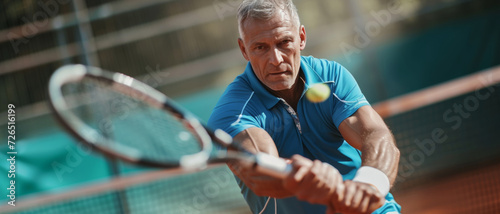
[{"x": 375, "y": 177}]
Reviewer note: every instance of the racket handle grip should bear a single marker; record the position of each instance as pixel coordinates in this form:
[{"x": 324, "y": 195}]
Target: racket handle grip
[{"x": 273, "y": 166}]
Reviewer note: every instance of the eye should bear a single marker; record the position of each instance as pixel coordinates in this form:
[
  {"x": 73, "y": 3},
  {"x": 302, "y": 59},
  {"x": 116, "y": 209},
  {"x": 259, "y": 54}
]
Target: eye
[
  {"x": 286, "y": 41},
  {"x": 259, "y": 47}
]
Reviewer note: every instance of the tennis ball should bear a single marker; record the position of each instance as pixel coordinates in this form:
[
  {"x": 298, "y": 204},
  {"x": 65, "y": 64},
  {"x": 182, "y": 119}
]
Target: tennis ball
[{"x": 318, "y": 93}]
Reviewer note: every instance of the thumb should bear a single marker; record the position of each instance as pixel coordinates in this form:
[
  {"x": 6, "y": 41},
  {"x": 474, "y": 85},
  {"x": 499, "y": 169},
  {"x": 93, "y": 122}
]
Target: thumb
[
  {"x": 299, "y": 161},
  {"x": 301, "y": 167}
]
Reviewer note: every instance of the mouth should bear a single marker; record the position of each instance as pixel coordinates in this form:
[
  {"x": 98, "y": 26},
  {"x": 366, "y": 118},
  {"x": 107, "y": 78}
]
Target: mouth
[{"x": 279, "y": 73}]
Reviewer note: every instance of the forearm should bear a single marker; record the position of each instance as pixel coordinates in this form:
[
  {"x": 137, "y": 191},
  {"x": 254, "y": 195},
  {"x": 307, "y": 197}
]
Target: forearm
[
  {"x": 380, "y": 152},
  {"x": 258, "y": 140},
  {"x": 366, "y": 131}
]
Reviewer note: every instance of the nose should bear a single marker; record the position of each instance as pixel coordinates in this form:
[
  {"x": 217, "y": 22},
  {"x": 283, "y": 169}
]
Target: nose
[{"x": 276, "y": 57}]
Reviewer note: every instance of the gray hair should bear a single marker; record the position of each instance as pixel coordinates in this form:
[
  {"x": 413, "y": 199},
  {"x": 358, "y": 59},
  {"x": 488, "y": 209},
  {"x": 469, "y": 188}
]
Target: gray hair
[{"x": 265, "y": 10}]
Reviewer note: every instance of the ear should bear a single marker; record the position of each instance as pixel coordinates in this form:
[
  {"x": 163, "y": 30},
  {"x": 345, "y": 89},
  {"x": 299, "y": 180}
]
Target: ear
[
  {"x": 303, "y": 37},
  {"x": 243, "y": 49}
]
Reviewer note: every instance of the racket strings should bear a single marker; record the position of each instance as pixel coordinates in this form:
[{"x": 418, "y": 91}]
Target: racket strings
[{"x": 130, "y": 122}]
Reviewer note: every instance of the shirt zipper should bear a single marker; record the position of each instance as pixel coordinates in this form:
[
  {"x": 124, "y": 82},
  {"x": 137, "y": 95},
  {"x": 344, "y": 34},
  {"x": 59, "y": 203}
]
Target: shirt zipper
[{"x": 294, "y": 115}]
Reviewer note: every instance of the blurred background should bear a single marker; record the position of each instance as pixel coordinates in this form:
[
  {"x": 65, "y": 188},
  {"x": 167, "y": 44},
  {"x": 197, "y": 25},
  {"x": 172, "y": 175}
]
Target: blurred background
[{"x": 188, "y": 50}]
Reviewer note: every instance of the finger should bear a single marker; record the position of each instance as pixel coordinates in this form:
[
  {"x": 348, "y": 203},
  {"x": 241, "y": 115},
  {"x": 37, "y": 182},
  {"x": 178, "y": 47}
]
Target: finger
[
  {"x": 375, "y": 203},
  {"x": 313, "y": 188},
  {"x": 328, "y": 179},
  {"x": 293, "y": 181},
  {"x": 300, "y": 174},
  {"x": 335, "y": 183},
  {"x": 350, "y": 190},
  {"x": 364, "y": 205},
  {"x": 357, "y": 198},
  {"x": 333, "y": 175},
  {"x": 338, "y": 197},
  {"x": 307, "y": 183},
  {"x": 301, "y": 166},
  {"x": 300, "y": 160}
]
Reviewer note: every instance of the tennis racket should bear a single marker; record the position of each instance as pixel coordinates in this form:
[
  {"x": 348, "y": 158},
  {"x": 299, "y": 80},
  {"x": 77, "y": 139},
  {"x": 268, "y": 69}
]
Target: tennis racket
[{"x": 126, "y": 119}]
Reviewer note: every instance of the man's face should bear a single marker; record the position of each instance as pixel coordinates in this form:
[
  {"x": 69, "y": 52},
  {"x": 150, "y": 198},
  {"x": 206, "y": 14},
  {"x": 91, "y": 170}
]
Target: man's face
[{"x": 273, "y": 48}]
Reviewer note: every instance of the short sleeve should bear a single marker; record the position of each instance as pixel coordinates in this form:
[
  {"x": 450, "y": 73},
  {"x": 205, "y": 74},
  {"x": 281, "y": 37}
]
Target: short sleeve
[
  {"x": 348, "y": 97},
  {"x": 234, "y": 112}
]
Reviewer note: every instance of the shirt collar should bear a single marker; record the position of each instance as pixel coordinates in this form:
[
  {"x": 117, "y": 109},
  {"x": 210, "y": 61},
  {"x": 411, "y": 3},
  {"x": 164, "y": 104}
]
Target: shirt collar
[
  {"x": 310, "y": 75},
  {"x": 269, "y": 100}
]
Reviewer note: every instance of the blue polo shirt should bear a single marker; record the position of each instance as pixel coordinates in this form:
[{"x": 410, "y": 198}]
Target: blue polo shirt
[{"x": 311, "y": 131}]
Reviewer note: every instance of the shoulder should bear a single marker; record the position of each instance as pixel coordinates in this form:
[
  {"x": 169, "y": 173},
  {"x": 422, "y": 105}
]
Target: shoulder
[
  {"x": 326, "y": 69},
  {"x": 236, "y": 95},
  {"x": 238, "y": 89},
  {"x": 319, "y": 63},
  {"x": 238, "y": 98}
]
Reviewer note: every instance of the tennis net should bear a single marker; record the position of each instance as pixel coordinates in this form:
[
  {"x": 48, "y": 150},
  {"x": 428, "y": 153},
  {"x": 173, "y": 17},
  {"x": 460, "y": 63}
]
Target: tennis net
[
  {"x": 449, "y": 140},
  {"x": 168, "y": 191}
]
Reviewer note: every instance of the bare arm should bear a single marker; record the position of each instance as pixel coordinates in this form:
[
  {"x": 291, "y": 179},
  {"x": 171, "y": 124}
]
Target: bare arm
[
  {"x": 258, "y": 140},
  {"x": 320, "y": 183},
  {"x": 366, "y": 131},
  {"x": 316, "y": 182}
]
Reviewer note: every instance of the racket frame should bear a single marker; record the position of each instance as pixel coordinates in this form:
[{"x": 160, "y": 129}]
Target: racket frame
[
  {"x": 129, "y": 86},
  {"x": 135, "y": 89}
]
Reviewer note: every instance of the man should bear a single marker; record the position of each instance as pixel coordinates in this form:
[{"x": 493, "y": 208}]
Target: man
[{"x": 264, "y": 109}]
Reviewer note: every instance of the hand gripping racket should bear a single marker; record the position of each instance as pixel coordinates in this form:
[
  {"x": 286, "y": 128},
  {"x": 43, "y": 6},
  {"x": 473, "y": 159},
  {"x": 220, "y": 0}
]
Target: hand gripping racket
[{"x": 124, "y": 118}]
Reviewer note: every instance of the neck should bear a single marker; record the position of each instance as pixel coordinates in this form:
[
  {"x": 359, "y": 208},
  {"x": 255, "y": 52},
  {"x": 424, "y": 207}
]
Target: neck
[{"x": 292, "y": 95}]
